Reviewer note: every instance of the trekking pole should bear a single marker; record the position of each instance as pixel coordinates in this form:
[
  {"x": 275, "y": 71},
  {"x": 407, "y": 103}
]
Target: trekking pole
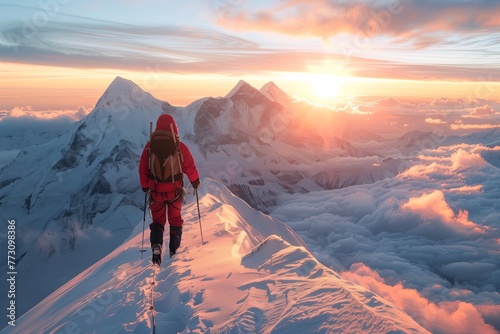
[
  {"x": 199, "y": 215},
  {"x": 142, "y": 250}
]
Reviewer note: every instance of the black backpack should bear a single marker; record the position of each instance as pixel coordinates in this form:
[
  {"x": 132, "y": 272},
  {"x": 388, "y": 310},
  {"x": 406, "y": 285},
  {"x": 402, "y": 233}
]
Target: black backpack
[{"x": 165, "y": 158}]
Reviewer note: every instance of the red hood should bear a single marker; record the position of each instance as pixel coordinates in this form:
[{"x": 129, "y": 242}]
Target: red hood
[{"x": 164, "y": 121}]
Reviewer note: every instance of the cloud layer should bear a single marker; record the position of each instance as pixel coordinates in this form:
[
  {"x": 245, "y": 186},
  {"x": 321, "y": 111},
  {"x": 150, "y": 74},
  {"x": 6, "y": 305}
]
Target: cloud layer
[
  {"x": 24, "y": 126},
  {"x": 427, "y": 240},
  {"x": 360, "y": 28},
  {"x": 404, "y": 39},
  {"x": 419, "y": 22},
  {"x": 28, "y": 112}
]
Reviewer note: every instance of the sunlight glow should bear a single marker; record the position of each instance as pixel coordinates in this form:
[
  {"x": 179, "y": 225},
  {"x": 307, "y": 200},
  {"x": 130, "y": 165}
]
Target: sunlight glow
[{"x": 325, "y": 86}]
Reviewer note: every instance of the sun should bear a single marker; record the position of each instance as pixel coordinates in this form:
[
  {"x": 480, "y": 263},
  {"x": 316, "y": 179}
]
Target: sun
[{"x": 325, "y": 86}]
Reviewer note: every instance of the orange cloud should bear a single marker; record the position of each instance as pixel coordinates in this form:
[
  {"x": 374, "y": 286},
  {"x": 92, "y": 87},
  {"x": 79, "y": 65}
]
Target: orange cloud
[
  {"x": 467, "y": 189},
  {"x": 474, "y": 126},
  {"x": 435, "y": 121},
  {"x": 483, "y": 110},
  {"x": 351, "y": 30},
  {"x": 434, "y": 206},
  {"x": 423, "y": 171},
  {"x": 444, "y": 317},
  {"x": 326, "y": 18},
  {"x": 462, "y": 159},
  {"x": 417, "y": 21}
]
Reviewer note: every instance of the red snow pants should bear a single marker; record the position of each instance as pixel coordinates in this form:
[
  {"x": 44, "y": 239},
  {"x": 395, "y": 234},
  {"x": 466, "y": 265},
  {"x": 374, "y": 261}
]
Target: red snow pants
[{"x": 161, "y": 207}]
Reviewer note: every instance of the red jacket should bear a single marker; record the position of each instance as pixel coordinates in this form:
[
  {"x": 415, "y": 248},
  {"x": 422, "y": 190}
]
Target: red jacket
[{"x": 166, "y": 122}]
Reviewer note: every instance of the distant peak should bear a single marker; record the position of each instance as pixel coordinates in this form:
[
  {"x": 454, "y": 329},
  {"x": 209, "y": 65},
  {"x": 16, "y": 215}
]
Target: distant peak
[
  {"x": 128, "y": 93},
  {"x": 270, "y": 85},
  {"x": 239, "y": 85},
  {"x": 274, "y": 93},
  {"x": 119, "y": 78},
  {"x": 121, "y": 85}
]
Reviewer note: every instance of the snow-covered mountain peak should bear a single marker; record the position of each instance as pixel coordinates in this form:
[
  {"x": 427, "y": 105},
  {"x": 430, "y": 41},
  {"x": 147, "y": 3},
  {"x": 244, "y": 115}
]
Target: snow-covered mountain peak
[
  {"x": 120, "y": 87},
  {"x": 270, "y": 86},
  {"x": 124, "y": 112},
  {"x": 245, "y": 93},
  {"x": 274, "y": 93},
  {"x": 122, "y": 95},
  {"x": 120, "y": 84},
  {"x": 236, "y": 88}
]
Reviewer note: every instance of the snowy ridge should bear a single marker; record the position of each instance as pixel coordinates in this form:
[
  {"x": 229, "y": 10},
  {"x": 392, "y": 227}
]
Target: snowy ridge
[{"x": 252, "y": 275}]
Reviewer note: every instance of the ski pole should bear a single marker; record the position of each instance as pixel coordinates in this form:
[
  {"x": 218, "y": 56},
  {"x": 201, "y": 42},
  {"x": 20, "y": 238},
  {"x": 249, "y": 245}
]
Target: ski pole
[
  {"x": 142, "y": 250},
  {"x": 199, "y": 215}
]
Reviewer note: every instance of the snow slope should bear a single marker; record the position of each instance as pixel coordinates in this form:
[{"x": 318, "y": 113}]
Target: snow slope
[{"x": 252, "y": 275}]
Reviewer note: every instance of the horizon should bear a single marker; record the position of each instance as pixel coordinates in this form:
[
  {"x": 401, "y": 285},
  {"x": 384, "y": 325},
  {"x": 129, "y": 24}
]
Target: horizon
[
  {"x": 390, "y": 116},
  {"x": 58, "y": 55}
]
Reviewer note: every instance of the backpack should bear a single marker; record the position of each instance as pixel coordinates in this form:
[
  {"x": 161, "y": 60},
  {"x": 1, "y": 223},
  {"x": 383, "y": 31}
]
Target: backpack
[{"x": 165, "y": 158}]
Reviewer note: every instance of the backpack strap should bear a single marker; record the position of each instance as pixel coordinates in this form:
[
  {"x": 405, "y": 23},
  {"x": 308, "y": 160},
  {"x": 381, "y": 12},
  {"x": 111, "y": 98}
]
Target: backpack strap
[
  {"x": 171, "y": 160},
  {"x": 151, "y": 169},
  {"x": 180, "y": 159},
  {"x": 173, "y": 133}
]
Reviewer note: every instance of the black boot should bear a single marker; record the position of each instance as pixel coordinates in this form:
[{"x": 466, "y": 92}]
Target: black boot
[
  {"x": 175, "y": 239},
  {"x": 156, "y": 237},
  {"x": 156, "y": 249}
]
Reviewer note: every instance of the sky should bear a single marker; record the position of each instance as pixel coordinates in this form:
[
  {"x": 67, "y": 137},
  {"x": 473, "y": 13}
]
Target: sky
[{"x": 62, "y": 54}]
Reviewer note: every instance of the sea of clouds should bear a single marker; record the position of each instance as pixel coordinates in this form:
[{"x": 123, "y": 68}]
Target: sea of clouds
[
  {"x": 21, "y": 127},
  {"x": 427, "y": 240}
]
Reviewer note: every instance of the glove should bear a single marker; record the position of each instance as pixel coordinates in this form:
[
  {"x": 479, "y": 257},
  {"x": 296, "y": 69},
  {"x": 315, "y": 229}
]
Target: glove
[
  {"x": 145, "y": 190},
  {"x": 195, "y": 183}
]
